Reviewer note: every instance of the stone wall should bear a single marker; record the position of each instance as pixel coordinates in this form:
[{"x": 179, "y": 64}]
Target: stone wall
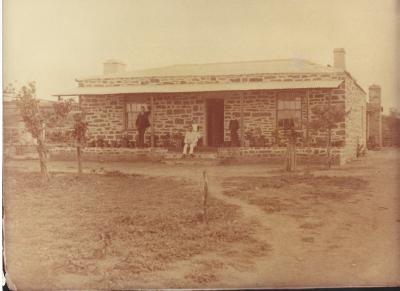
[
  {"x": 273, "y": 154},
  {"x": 391, "y": 130},
  {"x": 259, "y": 111},
  {"x": 355, "y": 119},
  {"x": 105, "y": 116},
  {"x": 107, "y": 154},
  {"x": 173, "y": 112},
  {"x": 321, "y": 97},
  {"x": 278, "y": 154},
  {"x": 176, "y": 110},
  {"x": 375, "y": 124},
  {"x": 168, "y": 80}
]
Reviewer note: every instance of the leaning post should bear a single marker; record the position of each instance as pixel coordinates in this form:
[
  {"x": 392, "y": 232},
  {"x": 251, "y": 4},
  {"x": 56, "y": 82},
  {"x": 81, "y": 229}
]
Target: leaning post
[{"x": 205, "y": 196}]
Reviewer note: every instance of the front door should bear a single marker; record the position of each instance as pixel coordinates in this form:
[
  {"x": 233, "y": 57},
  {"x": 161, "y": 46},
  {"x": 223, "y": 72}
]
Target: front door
[{"x": 215, "y": 122}]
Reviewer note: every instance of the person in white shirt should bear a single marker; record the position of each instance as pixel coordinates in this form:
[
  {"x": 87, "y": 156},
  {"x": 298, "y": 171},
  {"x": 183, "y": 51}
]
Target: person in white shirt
[{"x": 192, "y": 136}]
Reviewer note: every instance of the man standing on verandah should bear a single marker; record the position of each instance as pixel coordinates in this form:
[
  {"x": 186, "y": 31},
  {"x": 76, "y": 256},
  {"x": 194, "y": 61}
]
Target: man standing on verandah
[{"x": 142, "y": 123}]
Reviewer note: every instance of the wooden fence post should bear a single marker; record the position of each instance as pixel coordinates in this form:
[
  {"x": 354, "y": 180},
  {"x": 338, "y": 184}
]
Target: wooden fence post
[
  {"x": 205, "y": 196},
  {"x": 79, "y": 155}
]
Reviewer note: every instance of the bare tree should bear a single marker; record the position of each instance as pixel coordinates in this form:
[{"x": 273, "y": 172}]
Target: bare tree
[
  {"x": 79, "y": 133},
  {"x": 326, "y": 118},
  {"x": 291, "y": 159},
  {"x": 36, "y": 120}
]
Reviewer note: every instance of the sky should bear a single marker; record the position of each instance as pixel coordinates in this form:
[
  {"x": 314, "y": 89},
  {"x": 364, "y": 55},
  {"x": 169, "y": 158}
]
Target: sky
[{"x": 53, "y": 42}]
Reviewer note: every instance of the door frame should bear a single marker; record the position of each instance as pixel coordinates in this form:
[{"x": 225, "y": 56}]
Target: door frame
[{"x": 206, "y": 103}]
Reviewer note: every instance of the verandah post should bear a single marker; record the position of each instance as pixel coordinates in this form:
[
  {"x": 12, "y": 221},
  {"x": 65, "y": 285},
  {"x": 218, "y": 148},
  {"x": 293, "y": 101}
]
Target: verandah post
[
  {"x": 241, "y": 122},
  {"x": 152, "y": 120},
  {"x": 308, "y": 118}
]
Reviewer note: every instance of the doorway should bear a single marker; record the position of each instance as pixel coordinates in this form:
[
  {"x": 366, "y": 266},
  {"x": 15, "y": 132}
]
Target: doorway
[{"x": 215, "y": 122}]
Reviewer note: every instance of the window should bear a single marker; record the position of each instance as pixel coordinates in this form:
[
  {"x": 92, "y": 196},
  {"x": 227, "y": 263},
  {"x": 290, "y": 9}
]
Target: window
[
  {"x": 289, "y": 112},
  {"x": 132, "y": 110}
]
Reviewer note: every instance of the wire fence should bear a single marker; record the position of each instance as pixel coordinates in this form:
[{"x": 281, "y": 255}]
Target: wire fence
[{"x": 13, "y": 135}]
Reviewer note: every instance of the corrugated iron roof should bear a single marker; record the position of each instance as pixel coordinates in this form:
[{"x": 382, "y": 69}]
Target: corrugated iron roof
[
  {"x": 231, "y": 68},
  {"x": 176, "y": 88}
]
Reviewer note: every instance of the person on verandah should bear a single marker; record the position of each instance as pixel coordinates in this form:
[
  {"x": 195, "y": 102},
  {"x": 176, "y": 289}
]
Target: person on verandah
[
  {"x": 192, "y": 136},
  {"x": 142, "y": 123}
]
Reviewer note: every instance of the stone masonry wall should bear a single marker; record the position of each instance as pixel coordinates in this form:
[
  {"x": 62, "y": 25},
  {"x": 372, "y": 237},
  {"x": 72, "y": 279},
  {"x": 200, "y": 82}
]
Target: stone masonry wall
[
  {"x": 375, "y": 123},
  {"x": 212, "y": 79},
  {"x": 355, "y": 119},
  {"x": 391, "y": 130},
  {"x": 107, "y": 154},
  {"x": 278, "y": 154},
  {"x": 270, "y": 155},
  {"x": 320, "y": 97},
  {"x": 105, "y": 116},
  {"x": 259, "y": 111},
  {"x": 173, "y": 112}
]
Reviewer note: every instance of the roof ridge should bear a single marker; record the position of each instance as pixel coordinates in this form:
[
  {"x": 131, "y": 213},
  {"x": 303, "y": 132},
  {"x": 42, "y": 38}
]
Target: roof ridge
[
  {"x": 226, "y": 63},
  {"x": 284, "y": 65}
]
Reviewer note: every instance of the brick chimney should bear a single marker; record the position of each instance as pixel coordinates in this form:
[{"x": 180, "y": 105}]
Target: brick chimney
[
  {"x": 113, "y": 66},
  {"x": 375, "y": 94},
  {"x": 339, "y": 58},
  {"x": 375, "y": 115}
]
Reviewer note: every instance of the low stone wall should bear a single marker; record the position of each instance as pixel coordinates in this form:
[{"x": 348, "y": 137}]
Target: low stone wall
[
  {"x": 277, "y": 154},
  {"x": 18, "y": 150},
  {"x": 108, "y": 154},
  {"x": 272, "y": 154}
]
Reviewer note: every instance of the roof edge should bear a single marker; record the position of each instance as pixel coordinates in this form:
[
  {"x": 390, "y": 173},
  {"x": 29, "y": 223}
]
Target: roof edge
[
  {"x": 355, "y": 81},
  {"x": 213, "y": 75},
  {"x": 215, "y": 87}
]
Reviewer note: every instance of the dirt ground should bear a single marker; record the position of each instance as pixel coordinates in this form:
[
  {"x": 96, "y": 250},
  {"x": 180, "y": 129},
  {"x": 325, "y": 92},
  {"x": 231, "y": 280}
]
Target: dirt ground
[{"x": 143, "y": 228}]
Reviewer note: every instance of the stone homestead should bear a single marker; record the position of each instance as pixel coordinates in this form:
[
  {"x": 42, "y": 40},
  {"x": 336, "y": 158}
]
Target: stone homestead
[{"x": 264, "y": 97}]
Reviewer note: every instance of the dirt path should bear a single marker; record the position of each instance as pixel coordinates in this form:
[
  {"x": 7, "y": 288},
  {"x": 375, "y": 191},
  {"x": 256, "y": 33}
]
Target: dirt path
[{"x": 356, "y": 242}]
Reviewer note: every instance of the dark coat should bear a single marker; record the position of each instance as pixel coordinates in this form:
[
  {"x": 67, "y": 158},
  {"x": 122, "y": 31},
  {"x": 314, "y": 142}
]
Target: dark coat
[
  {"x": 142, "y": 121},
  {"x": 234, "y": 125}
]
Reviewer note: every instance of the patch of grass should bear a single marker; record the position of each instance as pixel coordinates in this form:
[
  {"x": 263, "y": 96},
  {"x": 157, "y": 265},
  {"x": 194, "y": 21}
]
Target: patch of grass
[
  {"x": 115, "y": 224},
  {"x": 114, "y": 173},
  {"x": 227, "y": 161},
  {"x": 291, "y": 192},
  {"x": 287, "y": 180}
]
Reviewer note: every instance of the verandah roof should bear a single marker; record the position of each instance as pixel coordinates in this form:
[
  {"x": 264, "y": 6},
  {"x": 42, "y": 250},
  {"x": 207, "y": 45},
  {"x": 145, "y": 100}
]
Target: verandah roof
[{"x": 184, "y": 88}]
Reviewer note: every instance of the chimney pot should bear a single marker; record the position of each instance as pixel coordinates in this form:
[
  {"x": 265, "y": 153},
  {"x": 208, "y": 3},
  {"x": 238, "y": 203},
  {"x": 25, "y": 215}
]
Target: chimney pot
[{"x": 339, "y": 58}]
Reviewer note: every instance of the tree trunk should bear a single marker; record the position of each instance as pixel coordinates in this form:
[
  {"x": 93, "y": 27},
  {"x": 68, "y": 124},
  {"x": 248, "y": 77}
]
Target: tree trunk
[
  {"x": 79, "y": 156},
  {"x": 328, "y": 149},
  {"x": 290, "y": 157},
  {"x": 41, "y": 148}
]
